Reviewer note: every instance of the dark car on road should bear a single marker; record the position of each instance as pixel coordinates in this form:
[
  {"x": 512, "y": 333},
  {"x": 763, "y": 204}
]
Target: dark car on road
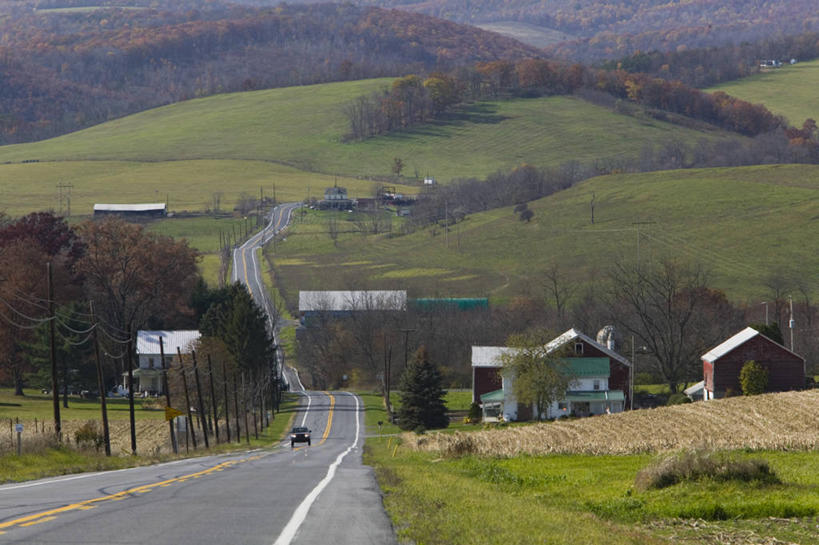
[{"x": 299, "y": 435}]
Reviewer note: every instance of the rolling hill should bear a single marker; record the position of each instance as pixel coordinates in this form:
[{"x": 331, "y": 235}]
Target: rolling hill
[
  {"x": 789, "y": 91},
  {"x": 743, "y": 224},
  {"x": 69, "y": 64},
  {"x": 242, "y": 140}
]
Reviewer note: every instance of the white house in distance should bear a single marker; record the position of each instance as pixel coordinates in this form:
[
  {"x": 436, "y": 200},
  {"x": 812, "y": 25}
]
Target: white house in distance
[
  {"x": 601, "y": 384},
  {"x": 148, "y": 376}
]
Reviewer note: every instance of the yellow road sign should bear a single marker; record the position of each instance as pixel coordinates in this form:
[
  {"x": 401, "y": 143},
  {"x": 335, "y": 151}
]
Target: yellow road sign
[{"x": 171, "y": 413}]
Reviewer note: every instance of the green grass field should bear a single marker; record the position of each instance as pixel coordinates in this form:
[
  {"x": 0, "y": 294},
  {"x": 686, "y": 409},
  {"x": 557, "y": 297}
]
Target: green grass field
[
  {"x": 187, "y": 185},
  {"x": 303, "y": 128},
  {"x": 37, "y": 405},
  {"x": 788, "y": 91},
  {"x": 743, "y": 224},
  {"x": 555, "y": 499}
]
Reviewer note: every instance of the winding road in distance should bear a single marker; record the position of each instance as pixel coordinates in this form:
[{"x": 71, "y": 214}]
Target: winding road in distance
[{"x": 316, "y": 495}]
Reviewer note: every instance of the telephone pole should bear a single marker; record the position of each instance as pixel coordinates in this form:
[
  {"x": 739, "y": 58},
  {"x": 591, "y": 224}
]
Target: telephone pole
[{"x": 55, "y": 395}]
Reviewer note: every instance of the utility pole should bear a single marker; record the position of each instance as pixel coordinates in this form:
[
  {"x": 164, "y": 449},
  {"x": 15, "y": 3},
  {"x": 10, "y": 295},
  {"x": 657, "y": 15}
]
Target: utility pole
[
  {"x": 131, "y": 412},
  {"x": 225, "y": 388},
  {"x": 236, "y": 408},
  {"x": 55, "y": 394},
  {"x": 791, "y": 322},
  {"x": 166, "y": 387},
  {"x": 101, "y": 385},
  {"x": 202, "y": 414},
  {"x": 213, "y": 400},
  {"x": 187, "y": 401},
  {"x": 244, "y": 409},
  {"x": 637, "y": 225}
]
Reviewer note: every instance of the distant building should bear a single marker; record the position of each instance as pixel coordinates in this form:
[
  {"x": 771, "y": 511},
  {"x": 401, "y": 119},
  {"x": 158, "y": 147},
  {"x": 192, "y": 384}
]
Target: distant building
[
  {"x": 721, "y": 365},
  {"x": 342, "y": 303},
  {"x": 336, "y": 198},
  {"x": 150, "y": 210},
  {"x": 148, "y": 376},
  {"x": 601, "y": 384},
  {"x": 429, "y": 180}
]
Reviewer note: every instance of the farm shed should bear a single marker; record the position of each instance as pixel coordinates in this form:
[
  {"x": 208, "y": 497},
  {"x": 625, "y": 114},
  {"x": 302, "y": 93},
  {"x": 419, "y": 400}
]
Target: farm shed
[
  {"x": 601, "y": 381},
  {"x": 722, "y": 364},
  {"x": 342, "y": 303},
  {"x": 150, "y": 210},
  {"x": 148, "y": 376}
]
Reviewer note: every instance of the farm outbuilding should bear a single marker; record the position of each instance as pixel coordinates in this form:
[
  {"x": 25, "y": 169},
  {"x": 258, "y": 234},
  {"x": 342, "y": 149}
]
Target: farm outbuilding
[
  {"x": 722, "y": 364},
  {"x": 149, "y": 210}
]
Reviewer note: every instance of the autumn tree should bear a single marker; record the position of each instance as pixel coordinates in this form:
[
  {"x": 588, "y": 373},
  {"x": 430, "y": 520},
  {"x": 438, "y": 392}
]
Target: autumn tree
[{"x": 135, "y": 277}]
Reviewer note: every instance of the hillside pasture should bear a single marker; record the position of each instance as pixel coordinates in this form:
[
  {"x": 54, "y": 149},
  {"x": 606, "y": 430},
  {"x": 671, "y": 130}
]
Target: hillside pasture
[
  {"x": 742, "y": 224},
  {"x": 789, "y": 91},
  {"x": 783, "y": 421},
  {"x": 304, "y": 127},
  {"x": 186, "y": 184}
]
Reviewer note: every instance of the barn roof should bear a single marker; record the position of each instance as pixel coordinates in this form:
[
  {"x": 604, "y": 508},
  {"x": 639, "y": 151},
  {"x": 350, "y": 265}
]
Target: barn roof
[
  {"x": 148, "y": 341},
  {"x": 144, "y": 207},
  {"x": 738, "y": 340},
  {"x": 339, "y": 301},
  {"x": 490, "y": 356}
]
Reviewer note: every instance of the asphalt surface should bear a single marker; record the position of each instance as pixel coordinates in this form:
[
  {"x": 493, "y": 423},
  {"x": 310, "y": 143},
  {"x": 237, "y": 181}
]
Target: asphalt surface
[{"x": 304, "y": 495}]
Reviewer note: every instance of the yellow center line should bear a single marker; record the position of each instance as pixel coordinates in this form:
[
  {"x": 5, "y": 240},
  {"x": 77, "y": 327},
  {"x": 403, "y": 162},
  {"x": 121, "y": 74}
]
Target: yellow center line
[
  {"x": 46, "y": 519},
  {"x": 87, "y": 504},
  {"x": 329, "y": 418}
]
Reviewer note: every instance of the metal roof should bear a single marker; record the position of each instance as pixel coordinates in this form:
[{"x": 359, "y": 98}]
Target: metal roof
[
  {"x": 337, "y": 301},
  {"x": 129, "y": 207},
  {"x": 148, "y": 341},
  {"x": 490, "y": 356},
  {"x": 738, "y": 340},
  {"x": 601, "y": 395},
  {"x": 492, "y": 397},
  {"x": 589, "y": 367}
]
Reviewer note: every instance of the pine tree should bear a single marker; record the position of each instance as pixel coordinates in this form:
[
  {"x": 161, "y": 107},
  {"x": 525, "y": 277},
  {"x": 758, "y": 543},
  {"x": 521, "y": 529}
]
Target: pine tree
[{"x": 422, "y": 395}]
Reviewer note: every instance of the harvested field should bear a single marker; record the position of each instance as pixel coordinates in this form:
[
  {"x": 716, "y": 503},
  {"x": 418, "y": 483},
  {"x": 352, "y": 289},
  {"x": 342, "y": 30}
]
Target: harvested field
[
  {"x": 781, "y": 421},
  {"x": 152, "y": 436}
]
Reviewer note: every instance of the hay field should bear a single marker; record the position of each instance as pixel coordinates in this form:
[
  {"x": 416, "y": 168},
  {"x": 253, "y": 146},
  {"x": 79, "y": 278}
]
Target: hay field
[
  {"x": 153, "y": 437},
  {"x": 781, "y": 421}
]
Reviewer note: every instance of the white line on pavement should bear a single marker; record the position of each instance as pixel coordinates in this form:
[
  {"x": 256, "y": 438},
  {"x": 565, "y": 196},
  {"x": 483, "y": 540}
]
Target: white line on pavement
[{"x": 295, "y": 522}]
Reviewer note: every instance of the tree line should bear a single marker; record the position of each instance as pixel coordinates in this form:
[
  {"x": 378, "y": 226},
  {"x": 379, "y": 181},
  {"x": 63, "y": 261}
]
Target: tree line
[
  {"x": 67, "y": 70},
  {"x": 666, "y": 312},
  {"x": 88, "y": 289}
]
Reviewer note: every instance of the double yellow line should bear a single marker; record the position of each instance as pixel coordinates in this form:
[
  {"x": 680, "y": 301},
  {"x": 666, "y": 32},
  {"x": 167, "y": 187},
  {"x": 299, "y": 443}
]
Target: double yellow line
[
  {"x": 46, "y": 516},
  {"x": 329, "y": 421}
]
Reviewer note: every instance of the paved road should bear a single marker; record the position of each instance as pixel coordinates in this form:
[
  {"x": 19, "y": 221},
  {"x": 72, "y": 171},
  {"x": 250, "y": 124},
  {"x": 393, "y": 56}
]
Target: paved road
[
  {"x": 246, "y": 269},
  {"x": 307, "y": 495}
]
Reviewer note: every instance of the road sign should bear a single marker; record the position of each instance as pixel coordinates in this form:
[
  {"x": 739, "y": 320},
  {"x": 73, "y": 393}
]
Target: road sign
[
  {"x": 171, "y": 413},
  {"x": 18, "y": 428}
]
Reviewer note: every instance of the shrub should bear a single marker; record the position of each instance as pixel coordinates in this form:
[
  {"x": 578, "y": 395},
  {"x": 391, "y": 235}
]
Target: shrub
[
  {"x": 88, "y": 435},
  {"x": 475, "y": 414},
  {"x": 753, "y": 378},
  {"x": 678, "y": 398},
  {"x": 693, "y": 465}
]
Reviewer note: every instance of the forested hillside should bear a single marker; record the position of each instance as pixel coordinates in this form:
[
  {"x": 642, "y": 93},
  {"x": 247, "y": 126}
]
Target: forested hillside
[
  {"x": 67, "y": 65},
  {"x": 594, "y": 29}
]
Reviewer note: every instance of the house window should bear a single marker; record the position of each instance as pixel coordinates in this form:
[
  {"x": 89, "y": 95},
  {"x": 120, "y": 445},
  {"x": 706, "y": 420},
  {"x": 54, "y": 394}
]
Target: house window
[
  {"x": 563, "y": 407},
  {"x": 578, "y": 349},
  {"x": 150, "y": 363},
  {"x": 597, "y": 384}
]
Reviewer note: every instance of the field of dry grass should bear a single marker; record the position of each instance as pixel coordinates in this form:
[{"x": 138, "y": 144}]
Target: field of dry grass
[
  {"x": 152, "y": 436},
  {"x": 773, "y": 421}
]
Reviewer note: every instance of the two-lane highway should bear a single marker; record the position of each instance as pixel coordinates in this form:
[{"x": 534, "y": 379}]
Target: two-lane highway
[{"x": 305, "y": 495}]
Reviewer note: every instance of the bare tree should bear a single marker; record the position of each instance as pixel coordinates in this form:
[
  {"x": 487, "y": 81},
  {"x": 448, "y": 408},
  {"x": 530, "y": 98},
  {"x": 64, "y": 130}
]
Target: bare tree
[
  {"x": 671, "y": 311},
  {"x": 558, "y": 289}
]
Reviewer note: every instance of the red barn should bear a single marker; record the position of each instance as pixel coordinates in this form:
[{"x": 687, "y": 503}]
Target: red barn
[{"x": 722, "y": 364}]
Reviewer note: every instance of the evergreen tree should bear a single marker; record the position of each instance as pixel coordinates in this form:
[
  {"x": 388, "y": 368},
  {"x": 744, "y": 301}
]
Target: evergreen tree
[{"x": 422, "y": 395}]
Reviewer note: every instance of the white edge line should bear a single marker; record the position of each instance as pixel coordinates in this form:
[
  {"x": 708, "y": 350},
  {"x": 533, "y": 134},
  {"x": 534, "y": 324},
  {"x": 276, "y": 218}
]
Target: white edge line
[
  {"x": 304, "y": 418},
  {"x": 295, "y": 522}
]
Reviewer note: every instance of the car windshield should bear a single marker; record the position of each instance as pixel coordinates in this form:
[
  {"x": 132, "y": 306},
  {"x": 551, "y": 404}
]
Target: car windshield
[{"x": 299, "y": 430}]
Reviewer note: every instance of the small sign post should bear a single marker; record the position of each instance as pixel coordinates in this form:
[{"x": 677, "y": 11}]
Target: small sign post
[{"x": 19, "y": 429}]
